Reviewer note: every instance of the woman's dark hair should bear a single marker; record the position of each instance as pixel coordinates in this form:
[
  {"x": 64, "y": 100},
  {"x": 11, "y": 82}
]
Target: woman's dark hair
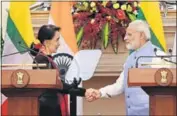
[{"x": 46, "y": 32}]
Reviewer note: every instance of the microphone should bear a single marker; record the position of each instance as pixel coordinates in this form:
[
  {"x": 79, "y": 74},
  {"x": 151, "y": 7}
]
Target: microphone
[
  {"x": 28, "y": 50},
  {"x": 170, "y": 51},
  {"x": 155, "y": 50},
  {"x": 24, "y": 51},
  {"x": 157, "y": 56},
  {"x": 165, "y": 56},
  {"x": 31, "y": 50}
]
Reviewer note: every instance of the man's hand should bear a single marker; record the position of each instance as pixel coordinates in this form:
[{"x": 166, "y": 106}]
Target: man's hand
[{"x": 92, "y": 94}]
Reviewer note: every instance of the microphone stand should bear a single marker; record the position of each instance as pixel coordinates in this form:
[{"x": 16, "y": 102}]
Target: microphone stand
[
  {"x": 73, "y": 97},
  {"x": 14, "y": 53},
  {"x": 26, "y": 50},
  {"x": 158, "y": 56}
]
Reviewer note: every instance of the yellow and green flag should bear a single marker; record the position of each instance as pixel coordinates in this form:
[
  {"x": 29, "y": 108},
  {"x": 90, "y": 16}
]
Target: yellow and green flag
[
  {"x": 19, "y": 32},
  {"x": 150, "y": 12},
  {"x": 19, "y": 26}
]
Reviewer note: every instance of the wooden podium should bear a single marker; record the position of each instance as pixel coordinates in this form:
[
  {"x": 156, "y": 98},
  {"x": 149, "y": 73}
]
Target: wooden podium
[
  {"x": 161, "y": 86},
  {"x": 23, "y": 87}
]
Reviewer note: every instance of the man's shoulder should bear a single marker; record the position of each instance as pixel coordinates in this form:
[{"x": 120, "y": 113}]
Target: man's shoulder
[{"x": 130, "y": 56}]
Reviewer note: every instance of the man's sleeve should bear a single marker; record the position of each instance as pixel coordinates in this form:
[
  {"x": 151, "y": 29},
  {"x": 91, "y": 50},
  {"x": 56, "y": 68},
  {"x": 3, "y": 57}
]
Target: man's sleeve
[{"x": 114, "y": 89}]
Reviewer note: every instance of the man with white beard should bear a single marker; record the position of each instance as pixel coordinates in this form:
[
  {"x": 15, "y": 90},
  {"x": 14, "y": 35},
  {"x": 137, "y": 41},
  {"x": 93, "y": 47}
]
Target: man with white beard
[{"x": 137, "y": 38}]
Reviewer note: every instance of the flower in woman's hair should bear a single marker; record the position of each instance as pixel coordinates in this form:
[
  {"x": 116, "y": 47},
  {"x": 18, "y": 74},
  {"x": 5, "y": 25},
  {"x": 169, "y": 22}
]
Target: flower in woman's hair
[{"x": 37, "y": 46}]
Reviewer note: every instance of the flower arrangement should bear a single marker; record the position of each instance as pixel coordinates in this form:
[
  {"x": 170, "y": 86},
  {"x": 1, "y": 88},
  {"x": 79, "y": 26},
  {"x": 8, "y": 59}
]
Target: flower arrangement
[{"x": 103, "y": 21}]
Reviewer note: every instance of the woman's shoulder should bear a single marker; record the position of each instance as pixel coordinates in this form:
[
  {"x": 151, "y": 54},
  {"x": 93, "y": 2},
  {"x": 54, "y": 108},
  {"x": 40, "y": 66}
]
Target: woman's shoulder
[{"x": 41, "y": 58}]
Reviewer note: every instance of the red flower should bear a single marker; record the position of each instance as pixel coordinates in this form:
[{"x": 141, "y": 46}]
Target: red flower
[
  {"x": 91, "y": 30},
  {"x": 120, "y": 14},
  {"x": 37, "y": 46},
  {"x": 93, "y": 21}
]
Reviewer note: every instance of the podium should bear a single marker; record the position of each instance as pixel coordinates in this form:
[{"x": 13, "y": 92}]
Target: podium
[
  {"x": 23, "y": 87},
  {"x": 160, "y": 85}
]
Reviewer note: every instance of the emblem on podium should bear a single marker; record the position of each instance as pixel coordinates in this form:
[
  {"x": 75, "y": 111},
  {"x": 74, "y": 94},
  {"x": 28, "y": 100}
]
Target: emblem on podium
[
  {"x": 163, "y": 77},
  {"x": 20, "y": 78}
]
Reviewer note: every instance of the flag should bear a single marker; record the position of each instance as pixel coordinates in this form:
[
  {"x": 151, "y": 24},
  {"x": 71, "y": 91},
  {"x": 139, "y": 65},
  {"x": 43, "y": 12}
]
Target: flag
[
  {"x": 60, "y": 15},
  {"x": 150, "y": 12},
  {"x": 19, "y": 34}
]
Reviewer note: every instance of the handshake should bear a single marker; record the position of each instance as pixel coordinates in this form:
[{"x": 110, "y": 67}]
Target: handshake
[{"x": 92, "y": 94}]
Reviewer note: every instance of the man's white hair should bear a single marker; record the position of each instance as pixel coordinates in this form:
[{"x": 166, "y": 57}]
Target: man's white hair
[{"x": 141, "y": 26}]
